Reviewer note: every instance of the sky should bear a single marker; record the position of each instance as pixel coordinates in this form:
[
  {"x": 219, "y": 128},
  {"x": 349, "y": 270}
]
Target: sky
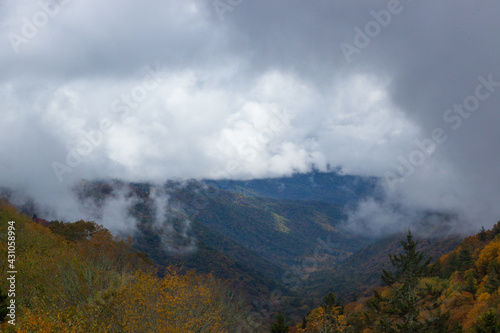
[{"x": 408, "y": 91}]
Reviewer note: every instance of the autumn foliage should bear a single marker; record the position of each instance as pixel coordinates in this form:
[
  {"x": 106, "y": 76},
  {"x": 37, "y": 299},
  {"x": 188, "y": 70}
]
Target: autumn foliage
[
  {"x": 463, "y": 294},
  {"x": 78, "y": 277}
]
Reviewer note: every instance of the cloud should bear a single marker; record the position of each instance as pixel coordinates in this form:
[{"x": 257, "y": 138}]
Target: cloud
[{"x": 147, "y": 92}]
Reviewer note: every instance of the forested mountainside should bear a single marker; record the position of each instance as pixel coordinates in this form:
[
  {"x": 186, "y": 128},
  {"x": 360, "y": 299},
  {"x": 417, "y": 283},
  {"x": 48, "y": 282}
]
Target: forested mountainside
[
  {"x": 257, "y": 244},
  {"x": 276, "y": 254},
  {"x": 78, "y": 277},
  {"x": 359, "y": 274},
  {"x": 262, "y": 236},
  {"x": 460, "y": 292},
  {"x": 317, "y": 186}
]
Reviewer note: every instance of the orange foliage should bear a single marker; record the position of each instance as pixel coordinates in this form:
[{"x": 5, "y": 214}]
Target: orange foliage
[
  {"x": 84, "y": 279},
  {"x": 489, "y": 254}
]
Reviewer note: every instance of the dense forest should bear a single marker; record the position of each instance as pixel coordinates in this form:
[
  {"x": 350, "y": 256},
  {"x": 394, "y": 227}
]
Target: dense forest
[
  {"x": 79, "y": 277},
  {"x": 460, "y": 292}
]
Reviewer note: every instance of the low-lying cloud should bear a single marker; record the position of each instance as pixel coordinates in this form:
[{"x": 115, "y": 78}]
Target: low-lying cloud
[{"x": 144, "y": 92}]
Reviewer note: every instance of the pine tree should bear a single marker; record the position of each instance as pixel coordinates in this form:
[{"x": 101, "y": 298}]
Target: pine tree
[
  {"x": 399, "y": 310},
  {"x": 465, "y": 259},
  {"x": 482, "y": 235},
  {"x": 330, "y": 303},
  {"x": 470, "y": 282},
  {"x": 279, "y": 326},
  {"x": 488, "y": 323},
  {"x": 492, "y": 280},
  {"x": 303, "y": 324}
]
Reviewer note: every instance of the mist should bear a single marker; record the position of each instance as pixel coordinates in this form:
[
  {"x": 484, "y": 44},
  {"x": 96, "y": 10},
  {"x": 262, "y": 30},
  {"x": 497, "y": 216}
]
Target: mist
[{"x": 146, "y": 93}]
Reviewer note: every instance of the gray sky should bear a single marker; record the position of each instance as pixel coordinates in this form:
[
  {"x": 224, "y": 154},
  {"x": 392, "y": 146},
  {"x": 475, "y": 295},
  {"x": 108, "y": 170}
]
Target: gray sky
[{"x": 149, "y": 90}]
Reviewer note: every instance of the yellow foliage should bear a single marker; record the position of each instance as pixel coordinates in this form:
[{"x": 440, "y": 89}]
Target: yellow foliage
[
  {"x": 176, "y": 303},
  {"x": 322, "y": 321},
  {"x": 483, "y": 297},
  {"x": 480, "y": 307},
  {"x": 489, "y": 254},
  {"x": 97, "y": 284}
]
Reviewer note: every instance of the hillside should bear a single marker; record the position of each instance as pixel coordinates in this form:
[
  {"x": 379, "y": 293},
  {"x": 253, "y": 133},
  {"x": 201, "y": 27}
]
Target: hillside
[
  {"x": 330, "y": 187},
  {"x": 258, "y": 245},
  {"x": 459, "y": 293},
  {"x": 360, "y": 273},
  {"x": 261, "y": 236},
  {"x": 77, "y": 277}
]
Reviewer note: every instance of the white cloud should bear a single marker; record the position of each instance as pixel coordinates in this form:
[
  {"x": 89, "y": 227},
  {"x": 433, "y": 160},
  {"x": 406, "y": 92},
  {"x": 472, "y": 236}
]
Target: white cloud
[{"x": 222, "y": 84}]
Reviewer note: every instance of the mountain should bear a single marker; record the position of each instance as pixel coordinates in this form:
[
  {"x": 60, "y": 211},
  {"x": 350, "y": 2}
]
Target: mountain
[
  {"x": 78, "y": 277},
  {"x": 459, "y": 293},
  {"x": 330, "y": 187},
  {"x": 99, "y": 281},
  {"x": 256, "y": 235},
  {"x": 249, "y": 241},
  {"x": 359, "y": 274}
]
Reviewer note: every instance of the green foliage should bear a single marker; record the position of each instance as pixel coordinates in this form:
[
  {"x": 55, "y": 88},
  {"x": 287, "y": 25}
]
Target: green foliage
[
  {"x": 360, "y": 273},
  {"x": 482, "y": 234},
  {"x": 470, "y": 281},
  {"x": 249, "y": 241},
  {"x": 399, "y": 310},
  {"x": 410, "y": 266},
  {"x": 492, "y": 281},
  {"x": 76, "y": 231},
  {"x": 303, "y": 323},
  {"x": 330, "y": 303},
  {"x": 488, "y": 323},
  {"x": 279, "y": 325},
  {"x": 465, "y": 259}
]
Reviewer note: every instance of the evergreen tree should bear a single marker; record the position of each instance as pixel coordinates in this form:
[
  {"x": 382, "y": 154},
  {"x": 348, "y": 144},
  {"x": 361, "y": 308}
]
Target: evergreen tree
[
  {"x": 399, "y": 311},
  {"x": 470, "y": 282},
  {"x": 465, "y": 258},
  {"x": 303, "y": 325},
  {"x": 482, "y": 235},
  {"x": 452, "y": 266},
  {"x": 492, "y": 279},
  {"x": 279, "y": 326},
  {"x": 330, "y": 303},
  {"x": 488, "y": 323},
  {"x": 496, "y": 229}
]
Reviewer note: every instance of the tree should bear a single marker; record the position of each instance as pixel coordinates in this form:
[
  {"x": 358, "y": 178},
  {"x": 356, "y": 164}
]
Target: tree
[
  {"x": 330, "y": 303},
  {"x": 482, "y": 235},
  {"x": 303, "y": 324},
  {"x": 492, "y": 280},
  {"x": 488, "y": 322},
  {"x": 465, "y": 258},
  {"x": 279, "y": 326},
  {"x": 399, "y": 308},
  {"x": 470, "y": 282},
  {"x": 325, "y": 319}
]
